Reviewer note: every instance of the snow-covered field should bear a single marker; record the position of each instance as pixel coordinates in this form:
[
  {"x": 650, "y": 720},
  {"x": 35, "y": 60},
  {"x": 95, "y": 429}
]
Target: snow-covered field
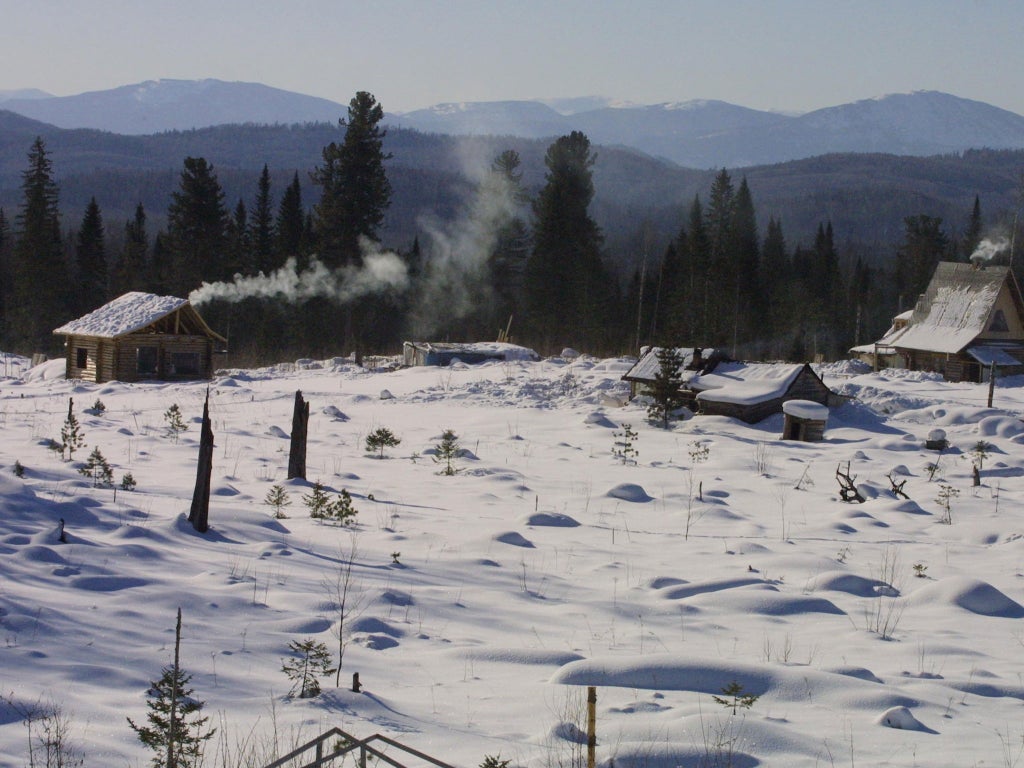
[{"x": 490, "y": 599}]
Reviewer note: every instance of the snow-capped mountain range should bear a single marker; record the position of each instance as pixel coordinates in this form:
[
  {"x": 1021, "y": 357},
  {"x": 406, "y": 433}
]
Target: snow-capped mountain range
[{"x": 698, "y": 133}]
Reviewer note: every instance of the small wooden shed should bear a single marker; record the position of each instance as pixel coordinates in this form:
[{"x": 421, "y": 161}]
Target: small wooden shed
[
  {"x": 140, "y": 337},
  {"x": 804, "y": 420}
]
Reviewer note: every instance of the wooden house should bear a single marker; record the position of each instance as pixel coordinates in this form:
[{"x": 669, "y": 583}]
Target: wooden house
[
  {"x": 694, "y": 360},
  {"x": 746, "y": 391},
  {"x": 970, "y": 318},
  {"x": 140, "y": 337},
  {"x": 446, "y": 353}
]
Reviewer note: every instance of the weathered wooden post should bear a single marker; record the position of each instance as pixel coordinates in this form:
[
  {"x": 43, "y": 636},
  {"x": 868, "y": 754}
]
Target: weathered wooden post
[
  {"x": 199, "y": 514},
  {"x": 991, "y": 382},
  {"x": 591, "y": 726},
  {"x": 297, "y": 451},
  {"x": 356, "y": 685}
]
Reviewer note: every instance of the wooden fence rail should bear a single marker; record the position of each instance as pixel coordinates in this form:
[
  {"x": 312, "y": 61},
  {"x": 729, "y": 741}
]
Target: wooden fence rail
[{"x": 346, "y": 743}]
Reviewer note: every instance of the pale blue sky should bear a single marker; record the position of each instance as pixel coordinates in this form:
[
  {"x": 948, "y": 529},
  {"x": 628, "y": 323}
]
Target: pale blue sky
[{"x": 793, "y": 55}]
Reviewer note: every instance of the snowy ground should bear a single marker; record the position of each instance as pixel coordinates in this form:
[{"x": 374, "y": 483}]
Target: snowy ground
[{"x": 543, "y": 566}]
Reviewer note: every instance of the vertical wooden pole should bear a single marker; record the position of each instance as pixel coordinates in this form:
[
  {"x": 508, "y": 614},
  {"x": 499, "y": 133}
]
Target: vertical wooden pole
[
  {"x": 591, "y": 726},
  {"x": 991, "y": 382}
]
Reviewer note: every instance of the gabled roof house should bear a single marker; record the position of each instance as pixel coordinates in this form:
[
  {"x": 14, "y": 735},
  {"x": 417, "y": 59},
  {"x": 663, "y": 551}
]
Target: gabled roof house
[
  {"x": 746, "y": 391},
  {"x": 139, "y": 337},
  {"x": 969, "y": 318}
]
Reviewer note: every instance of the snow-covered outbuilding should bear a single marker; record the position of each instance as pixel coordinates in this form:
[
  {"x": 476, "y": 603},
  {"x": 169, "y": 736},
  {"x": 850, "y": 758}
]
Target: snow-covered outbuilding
[
  {"x": 446, "y": 353},
  {"x": 804, "y": 420},
  {"x": 746, "y": 391},
  {"x": 138, "y": 337},
  {"x": 969, "y": 318}
]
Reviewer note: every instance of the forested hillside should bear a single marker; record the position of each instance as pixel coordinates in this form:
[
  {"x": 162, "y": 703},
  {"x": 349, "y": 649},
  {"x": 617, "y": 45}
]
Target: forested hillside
[{"x": 788, "y": 260}]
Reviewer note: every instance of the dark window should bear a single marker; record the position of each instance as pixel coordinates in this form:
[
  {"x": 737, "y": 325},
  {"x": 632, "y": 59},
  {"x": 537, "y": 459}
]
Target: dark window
[
  {"x": 998, "y": 324},
  {"x": 145, "y": 358},
  {"x": 185, "y": 363},
  {"x": 81, "y": 357}
]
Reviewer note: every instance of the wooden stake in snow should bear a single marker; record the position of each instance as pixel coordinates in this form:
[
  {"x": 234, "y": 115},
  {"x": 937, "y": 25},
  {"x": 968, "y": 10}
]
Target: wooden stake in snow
[
  {"x": 200, "y": 513},
  {"x": 591, "y": 726},
  {"x": 297, "y": 452}
]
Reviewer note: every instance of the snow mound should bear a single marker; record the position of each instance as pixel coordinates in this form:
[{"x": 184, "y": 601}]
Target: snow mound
[
  {"x": 1000, "y": 426},
  {"x": 275, "y": 431},
  {"x": 629, "y": 492},
  {"x": 970, "y": 594},
  {"x": 840, "y": 581},
  {"x": 520, "y": 656},
  {"x": 514, "y": 538},
  {"x": 334, "y": 412},
  {"x": 901, "y": 719},
  {"x": 551, "y": 519}
]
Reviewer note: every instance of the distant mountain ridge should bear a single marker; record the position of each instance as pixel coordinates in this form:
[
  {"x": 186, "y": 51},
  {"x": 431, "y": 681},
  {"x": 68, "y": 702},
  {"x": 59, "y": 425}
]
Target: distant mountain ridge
[
  {"x": 696, "y": 134},
  {"x": 156, "y": 106}
]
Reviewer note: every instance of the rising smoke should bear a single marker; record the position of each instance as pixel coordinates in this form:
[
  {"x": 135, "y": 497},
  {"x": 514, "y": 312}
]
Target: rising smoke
[
  {"x": 381, "y": 271},
  {"x": 990, "y": 247},
  {"x": 456, "y": 279}
]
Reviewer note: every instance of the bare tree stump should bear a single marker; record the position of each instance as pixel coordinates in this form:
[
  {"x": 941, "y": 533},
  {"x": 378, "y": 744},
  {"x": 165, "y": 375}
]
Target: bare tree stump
[
  {"x": 199, "y": 514},
  {"x": 847, "y": 487},
  {"x": 297, "y": 450}
]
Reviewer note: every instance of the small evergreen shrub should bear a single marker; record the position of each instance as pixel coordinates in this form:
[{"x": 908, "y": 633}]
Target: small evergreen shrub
[
  {"x": 97, "y": 467},
  {"x": 175, "y": 422},
  {"x": 380, "y": 439}
]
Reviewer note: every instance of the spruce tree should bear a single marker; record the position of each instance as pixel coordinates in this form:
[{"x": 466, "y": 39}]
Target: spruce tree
[
  {"x": 38, "y": 296},
  {"x": 311, "y": 660},
  {"x": 666, "y": 390},
  {"x": 290, "y": 227},
  {"x": 130, "y": 272},
  {"x": 176, "y": 729},
  {"x": 355, "y": 191},
  {"x": 565, "y": 280},
  {"x": 196, "y": 227},
  {"x": 972, "y": 235},
  {"x": 261, "y": 226},
  {"x": 91, "y": 285}
]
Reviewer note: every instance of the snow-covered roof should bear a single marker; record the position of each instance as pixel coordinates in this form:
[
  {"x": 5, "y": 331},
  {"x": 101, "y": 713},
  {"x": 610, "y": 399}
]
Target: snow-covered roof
[
  {"x": 745, "y": 383},
  {"x": 496, "y": 349},
  {"x": 647, "y": 367},
  {"x": 805, "y": 409},
  {"x": 125, "y": 314},
  {"x": 954, "y": 309}
]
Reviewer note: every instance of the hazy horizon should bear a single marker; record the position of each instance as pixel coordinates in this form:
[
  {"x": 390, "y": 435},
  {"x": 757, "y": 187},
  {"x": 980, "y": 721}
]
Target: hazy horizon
[{"x": 786, "y": 55}]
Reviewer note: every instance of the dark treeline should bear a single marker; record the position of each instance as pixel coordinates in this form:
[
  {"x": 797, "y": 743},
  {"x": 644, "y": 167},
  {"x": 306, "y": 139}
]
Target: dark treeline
[{"x": 514, "y": 248}]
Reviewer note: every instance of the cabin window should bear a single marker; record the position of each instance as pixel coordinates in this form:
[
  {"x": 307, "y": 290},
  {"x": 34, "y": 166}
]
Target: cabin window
[
  {"x": 999, "y": 324},
  {"x": 146, "y": 359},
  {"x": 185, "y": 363},
  {"x": 81, "y": 357}
]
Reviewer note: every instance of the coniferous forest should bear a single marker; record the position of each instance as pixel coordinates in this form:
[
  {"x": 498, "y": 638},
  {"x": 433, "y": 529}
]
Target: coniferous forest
[{"x": 357, "y": 253}]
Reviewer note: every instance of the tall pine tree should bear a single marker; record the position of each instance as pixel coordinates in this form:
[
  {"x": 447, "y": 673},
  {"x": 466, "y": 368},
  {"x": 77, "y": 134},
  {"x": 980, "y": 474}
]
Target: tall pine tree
[
  {"x": 91, "y": 287},
  {"x": 38, "y": 292},
  {"x": 196, "y": 227},
  {"x": 130, "y": 271},
  {"x": 355, "y": 191},
  {"x": 566, "y": 283}
]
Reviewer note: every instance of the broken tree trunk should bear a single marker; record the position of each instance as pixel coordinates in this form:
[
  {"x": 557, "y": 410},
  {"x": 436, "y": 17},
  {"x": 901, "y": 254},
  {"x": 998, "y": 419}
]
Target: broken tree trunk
[
  {"x": 297, "y": 452},
  {"x": 847, "y": 487},
  {"x": 897, "y": 487},
  {"x": 199, "y": 515}
]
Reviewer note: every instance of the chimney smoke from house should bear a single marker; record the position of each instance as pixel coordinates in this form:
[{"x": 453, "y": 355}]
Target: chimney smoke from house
[
  {"x": 381, "y": 271},
  {"x": 989, "y": 248}
]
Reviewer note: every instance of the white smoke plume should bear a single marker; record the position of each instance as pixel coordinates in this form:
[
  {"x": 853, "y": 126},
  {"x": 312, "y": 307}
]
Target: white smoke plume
[
  {"x": 456, "y": 255},
  {"x": 380, "y": 271},
  {"x": 990, "y": 247}
]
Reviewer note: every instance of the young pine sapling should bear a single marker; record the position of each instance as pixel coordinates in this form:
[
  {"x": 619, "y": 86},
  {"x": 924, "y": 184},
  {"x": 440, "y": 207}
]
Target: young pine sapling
[{"x": 379, "y": 439}]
